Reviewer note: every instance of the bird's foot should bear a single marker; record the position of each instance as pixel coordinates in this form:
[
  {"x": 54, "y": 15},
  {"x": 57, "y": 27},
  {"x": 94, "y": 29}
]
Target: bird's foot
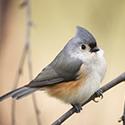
[
  {"x": 77, "y": 107},
  {"x": 98, "y": 94}
]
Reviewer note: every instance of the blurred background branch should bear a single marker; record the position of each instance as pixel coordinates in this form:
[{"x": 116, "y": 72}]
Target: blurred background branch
[
  {"x": 26, "y": 52},
  {"x": 123, "y": 117},
  {"x": 4, "y": 6}
]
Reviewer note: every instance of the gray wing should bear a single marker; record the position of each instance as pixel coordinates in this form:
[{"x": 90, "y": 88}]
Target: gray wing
[{"x": 62, "y": 69}]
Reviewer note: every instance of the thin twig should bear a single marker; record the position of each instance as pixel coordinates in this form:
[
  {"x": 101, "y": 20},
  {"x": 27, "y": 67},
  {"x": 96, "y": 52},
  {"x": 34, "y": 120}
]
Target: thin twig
[
  {"x": 123, "y": 117},
  {"x": 103, "y": 89},
  {"x": 18, "y": 74},
  {"x": 28, "y": 33},
  {"x": 26, "y": 51},
  {"x": 37, "y": 111}
]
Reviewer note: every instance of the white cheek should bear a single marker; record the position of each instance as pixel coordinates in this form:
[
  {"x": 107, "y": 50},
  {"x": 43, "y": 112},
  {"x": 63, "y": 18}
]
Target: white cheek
[
  {"x": 87, "y": 57},
  {"x": 92, "y": 55},
  {"x": 83, "y": 56}
]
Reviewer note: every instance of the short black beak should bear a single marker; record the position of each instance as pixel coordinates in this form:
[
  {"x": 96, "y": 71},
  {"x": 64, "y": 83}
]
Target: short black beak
[{"x": 95, "y": 49}]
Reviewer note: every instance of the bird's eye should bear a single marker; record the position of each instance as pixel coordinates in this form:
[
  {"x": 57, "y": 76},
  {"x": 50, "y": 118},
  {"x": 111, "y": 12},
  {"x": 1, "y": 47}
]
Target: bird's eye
[{"x": 83, "y": 46}]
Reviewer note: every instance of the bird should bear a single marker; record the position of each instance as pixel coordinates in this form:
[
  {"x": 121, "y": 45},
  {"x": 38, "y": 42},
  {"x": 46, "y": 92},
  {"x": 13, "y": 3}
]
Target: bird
[{"x": 73, "y": 76}]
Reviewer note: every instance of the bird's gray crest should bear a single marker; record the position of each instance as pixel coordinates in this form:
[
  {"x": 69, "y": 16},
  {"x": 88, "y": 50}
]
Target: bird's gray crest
[{"x": 84, "y": 34}]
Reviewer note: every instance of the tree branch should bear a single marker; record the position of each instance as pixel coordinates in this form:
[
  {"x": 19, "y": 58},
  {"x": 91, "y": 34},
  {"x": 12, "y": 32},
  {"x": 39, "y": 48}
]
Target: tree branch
[
  {"x": 26, "y": 52},
  {"x": 103, "y": 89},
  {"x": 123, "y": 117},
  {"x": 27, "y": 5},
  {"x": 18, "y": 74}
]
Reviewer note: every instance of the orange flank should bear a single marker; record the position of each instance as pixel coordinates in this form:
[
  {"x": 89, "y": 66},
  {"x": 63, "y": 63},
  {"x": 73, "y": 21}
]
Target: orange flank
[{"x": 66, "y": 90}]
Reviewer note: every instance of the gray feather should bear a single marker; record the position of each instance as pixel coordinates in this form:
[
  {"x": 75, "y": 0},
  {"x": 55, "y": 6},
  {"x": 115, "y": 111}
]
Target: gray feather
[
  {"x": 85, "y": 35},
  {"x": 23, "y": 92},
  {"x": 18, "y": 93},
  {"x": 60, "y": 70}
]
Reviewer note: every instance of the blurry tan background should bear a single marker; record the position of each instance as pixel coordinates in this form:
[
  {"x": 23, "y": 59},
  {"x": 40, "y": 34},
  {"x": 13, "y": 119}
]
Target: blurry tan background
[{"x": 54, "y": 24}]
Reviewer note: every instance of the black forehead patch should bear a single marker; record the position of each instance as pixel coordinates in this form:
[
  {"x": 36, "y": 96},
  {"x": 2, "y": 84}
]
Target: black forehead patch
[
  {"x": 86, "y": 36},
  {"x": 92, "y": 44}
]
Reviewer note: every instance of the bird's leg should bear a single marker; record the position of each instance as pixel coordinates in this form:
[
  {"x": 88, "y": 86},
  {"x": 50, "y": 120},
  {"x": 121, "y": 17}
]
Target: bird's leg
[
  {"x": 99, "y": 94},
  {"x": 77, "y": 107}
]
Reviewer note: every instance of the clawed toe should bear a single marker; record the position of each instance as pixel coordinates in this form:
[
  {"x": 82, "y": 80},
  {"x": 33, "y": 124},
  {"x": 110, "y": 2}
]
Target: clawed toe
[{"x": 98, "y": 94}]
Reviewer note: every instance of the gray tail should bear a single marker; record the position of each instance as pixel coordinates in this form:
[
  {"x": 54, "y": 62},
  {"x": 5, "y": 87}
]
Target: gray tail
[{"x": 18, "y": 93}]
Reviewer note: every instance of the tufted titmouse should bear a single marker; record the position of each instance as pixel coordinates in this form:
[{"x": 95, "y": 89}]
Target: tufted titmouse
[{"x": 73, "y": 76}]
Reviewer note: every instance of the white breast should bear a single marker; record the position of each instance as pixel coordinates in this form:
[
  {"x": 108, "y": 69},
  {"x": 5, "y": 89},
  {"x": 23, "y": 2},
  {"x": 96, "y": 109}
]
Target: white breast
[{"x": 95, "y": 72}]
